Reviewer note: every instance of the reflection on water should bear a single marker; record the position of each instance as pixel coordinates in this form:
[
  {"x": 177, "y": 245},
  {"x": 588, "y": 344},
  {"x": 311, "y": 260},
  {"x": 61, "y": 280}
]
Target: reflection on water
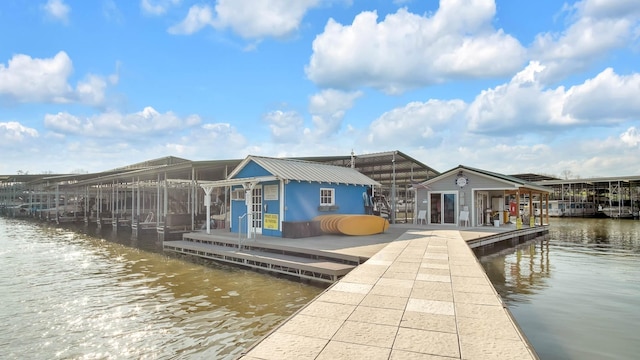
[
  {"x": 576, "y": 292},
  {"x": 66, "y": 294}
]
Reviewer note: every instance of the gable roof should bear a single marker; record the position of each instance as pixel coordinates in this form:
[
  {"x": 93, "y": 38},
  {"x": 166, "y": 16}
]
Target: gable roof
[
  {"x": 300, "y": 170},
  {"x": 509, "y": 180}
]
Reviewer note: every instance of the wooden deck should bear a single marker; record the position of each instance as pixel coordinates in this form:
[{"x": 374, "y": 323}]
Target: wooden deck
[{"x": 304, "y": 263}]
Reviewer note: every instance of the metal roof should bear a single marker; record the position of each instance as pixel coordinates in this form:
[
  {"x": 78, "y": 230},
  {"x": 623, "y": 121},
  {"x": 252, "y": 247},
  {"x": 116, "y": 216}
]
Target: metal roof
[
  {"x": 387, "y": 167},
  {"x": 301, "y": 170},
  {"x": 514, "y": 181},
  {"x": 602, "y": 181}
]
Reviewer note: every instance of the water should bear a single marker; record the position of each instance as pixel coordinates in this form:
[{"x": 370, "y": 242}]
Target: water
[
  {"x": 66, "y": 294},
  {"x": 576, "y": 294}
]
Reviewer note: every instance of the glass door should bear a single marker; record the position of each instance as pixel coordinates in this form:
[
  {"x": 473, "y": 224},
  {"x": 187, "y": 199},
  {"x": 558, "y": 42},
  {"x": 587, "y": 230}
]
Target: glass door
[
  {"x": 449, "y": 213},
  {"x": 443, "y": 208},
  {"x": 482, "y": 204},
  {"x": 256, "y": 209}
]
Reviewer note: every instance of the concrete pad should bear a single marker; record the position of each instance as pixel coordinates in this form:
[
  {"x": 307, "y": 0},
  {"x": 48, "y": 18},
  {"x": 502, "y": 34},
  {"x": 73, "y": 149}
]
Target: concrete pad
[
  {"x": 477, "y": 289},
  {"x": 435, "y": 278},
  {"x": 431, "y": 265},
  {"x": 356, "y": 332},
  {"x": 352, "y": 287},
  {"x": 432, "y": 271},
  {"x": 431, "y": 322},
  {"x": 478, "y": 311},
  {"x": 473, "y": 298},
  {"x": 399, "y": 275},
  {"x": 376, "y": 315},
  {"x": 386, "y": 302},
  {"x": 503, "y": 349},
  {"x": 281, "y": 346},
  {"x": 436, "y": 256},
  {"x": 493, "y": 328},
  {"x": 462, "y": 280},
  {"x": 433, "y": 286},
  {"x": 327, "y": 310},
  {"x": 408, "y": 355},
  {"x": 341, "y": 297},
  {"x": 431, "y": 295},
  {"x": 309, "y": 326},
  {"x": 427, "y": 342},
  {"x": 337, "y": 350},
  {"x": 431, "y": 306}
]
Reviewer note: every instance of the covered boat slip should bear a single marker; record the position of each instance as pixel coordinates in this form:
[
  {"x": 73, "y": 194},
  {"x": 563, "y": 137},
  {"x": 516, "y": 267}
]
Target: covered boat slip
[
  {"x": 159, "y": 195},
  {"x": 142, "y": 196},
  {"x": 615, "y": 197}
]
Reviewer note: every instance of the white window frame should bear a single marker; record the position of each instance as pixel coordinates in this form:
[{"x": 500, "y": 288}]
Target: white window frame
[{"x": 324, "y": 197}]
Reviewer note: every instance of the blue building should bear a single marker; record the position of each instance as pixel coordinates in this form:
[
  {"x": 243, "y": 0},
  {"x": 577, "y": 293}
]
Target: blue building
[{"x": 270, "y": 194}]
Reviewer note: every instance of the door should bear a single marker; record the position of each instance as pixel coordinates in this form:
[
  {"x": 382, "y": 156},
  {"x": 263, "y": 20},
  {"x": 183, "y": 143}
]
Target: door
[
  {"x": 256, "y": 209},
  {"x": 482, "y": 204},
  {"x": 443, "y": 208},
  {"x": 449, "y": 212}
]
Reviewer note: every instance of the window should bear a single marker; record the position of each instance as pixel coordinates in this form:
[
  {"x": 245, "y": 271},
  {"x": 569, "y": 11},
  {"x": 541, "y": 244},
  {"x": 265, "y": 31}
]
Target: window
[{"x": 327, "y": 197}]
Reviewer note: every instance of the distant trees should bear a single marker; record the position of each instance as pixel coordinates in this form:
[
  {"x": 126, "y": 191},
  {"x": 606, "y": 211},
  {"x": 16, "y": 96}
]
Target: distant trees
[{"x": 568, "y": 174}]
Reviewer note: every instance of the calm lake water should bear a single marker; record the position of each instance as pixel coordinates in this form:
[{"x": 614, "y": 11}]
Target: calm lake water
[
  {"x": 66, "y": 294},
  {"x": 72, "y": 293},
  {"x": 575, "y": 294}
]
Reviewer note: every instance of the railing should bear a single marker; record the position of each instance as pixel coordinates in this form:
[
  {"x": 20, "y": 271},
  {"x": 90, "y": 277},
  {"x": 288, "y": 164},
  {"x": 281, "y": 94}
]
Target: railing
[
  {"x": 242, "y": 222},
  {"x": 241, "y": 218}
]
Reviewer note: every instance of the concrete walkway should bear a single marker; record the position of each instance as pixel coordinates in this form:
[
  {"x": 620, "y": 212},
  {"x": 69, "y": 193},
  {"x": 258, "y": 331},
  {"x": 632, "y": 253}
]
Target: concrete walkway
[{"x": 423, "y": 296}]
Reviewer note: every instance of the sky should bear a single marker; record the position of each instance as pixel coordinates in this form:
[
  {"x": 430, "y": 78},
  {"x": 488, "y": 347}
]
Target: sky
[{"x": 531, "y": 86}]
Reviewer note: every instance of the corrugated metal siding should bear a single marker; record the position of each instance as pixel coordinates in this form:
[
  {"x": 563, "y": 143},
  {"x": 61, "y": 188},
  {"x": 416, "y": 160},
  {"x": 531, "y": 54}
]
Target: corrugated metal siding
[{"x": 298, "y": 170}]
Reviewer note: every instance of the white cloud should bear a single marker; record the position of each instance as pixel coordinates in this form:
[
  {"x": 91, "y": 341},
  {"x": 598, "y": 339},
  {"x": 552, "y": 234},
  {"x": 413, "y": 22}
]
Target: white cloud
[
  {"x": 608, "y": 8},
  {"x": 57, "y": 10},
  {"x": 91, "y": 90},
  {"x": 631, "y": 137},
  {"x": 13, "y": 132},
  {"x": 217, "y": 140},
  {"x": 114, "y": 124},
  {"x": 247, "y": 18},
  {"x": 327, "y": 110},
  {"x": 259, "y": 19},
  {"x": 521, "y": 102},
  {"x": 606, "y": 98},
  {"x": 36, "y": 80},
  {"x": 422, "y": 124},
  {"x": 406, "y": 50},
  {"x": 199, "y": 16},
  {"x": 285, "y": 126},
  {"x": 111, "y": 12},
  {"x": 157, "y": 7},
  {"x": 599, "y": 27},
  {"x": 29, "y": 80},
  {"x": 525, "y": 102}
]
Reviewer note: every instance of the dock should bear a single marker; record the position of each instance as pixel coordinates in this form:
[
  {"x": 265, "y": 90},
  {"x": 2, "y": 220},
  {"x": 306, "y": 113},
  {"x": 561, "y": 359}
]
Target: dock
[{"x": 423, "y": 295}]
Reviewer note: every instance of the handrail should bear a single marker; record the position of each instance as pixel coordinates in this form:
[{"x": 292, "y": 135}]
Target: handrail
[{"x": 240, "y": 227}]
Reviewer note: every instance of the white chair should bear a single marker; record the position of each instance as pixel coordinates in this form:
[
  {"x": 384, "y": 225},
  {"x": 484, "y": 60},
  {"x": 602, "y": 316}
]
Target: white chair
[
  {"x": 464, "y": 218},
  {"x": 422, "y": 217}
]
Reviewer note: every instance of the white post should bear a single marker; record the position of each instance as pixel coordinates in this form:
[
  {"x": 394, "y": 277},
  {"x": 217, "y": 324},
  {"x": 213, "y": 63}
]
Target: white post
[
  {"x": 207, "y": 203},
  {"x": 248, "y": 200}
]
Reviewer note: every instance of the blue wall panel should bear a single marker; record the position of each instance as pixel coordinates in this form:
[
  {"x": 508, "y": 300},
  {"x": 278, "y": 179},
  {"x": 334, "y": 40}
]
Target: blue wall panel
[
  {"x": 250, "y": 170},
  {"x": 303, "y": 199}
]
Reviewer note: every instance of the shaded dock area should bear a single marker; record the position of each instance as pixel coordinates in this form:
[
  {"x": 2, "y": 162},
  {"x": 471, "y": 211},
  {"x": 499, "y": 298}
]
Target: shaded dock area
[{"x": 423, "y": 295}]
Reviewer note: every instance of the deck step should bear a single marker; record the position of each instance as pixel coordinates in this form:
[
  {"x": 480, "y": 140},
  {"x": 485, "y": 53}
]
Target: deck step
[{"x": 307, "y": 267}]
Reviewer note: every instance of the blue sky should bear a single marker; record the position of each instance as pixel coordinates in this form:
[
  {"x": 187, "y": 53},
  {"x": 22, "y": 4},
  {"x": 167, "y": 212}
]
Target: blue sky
[{"x": 539, "y": 86}]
